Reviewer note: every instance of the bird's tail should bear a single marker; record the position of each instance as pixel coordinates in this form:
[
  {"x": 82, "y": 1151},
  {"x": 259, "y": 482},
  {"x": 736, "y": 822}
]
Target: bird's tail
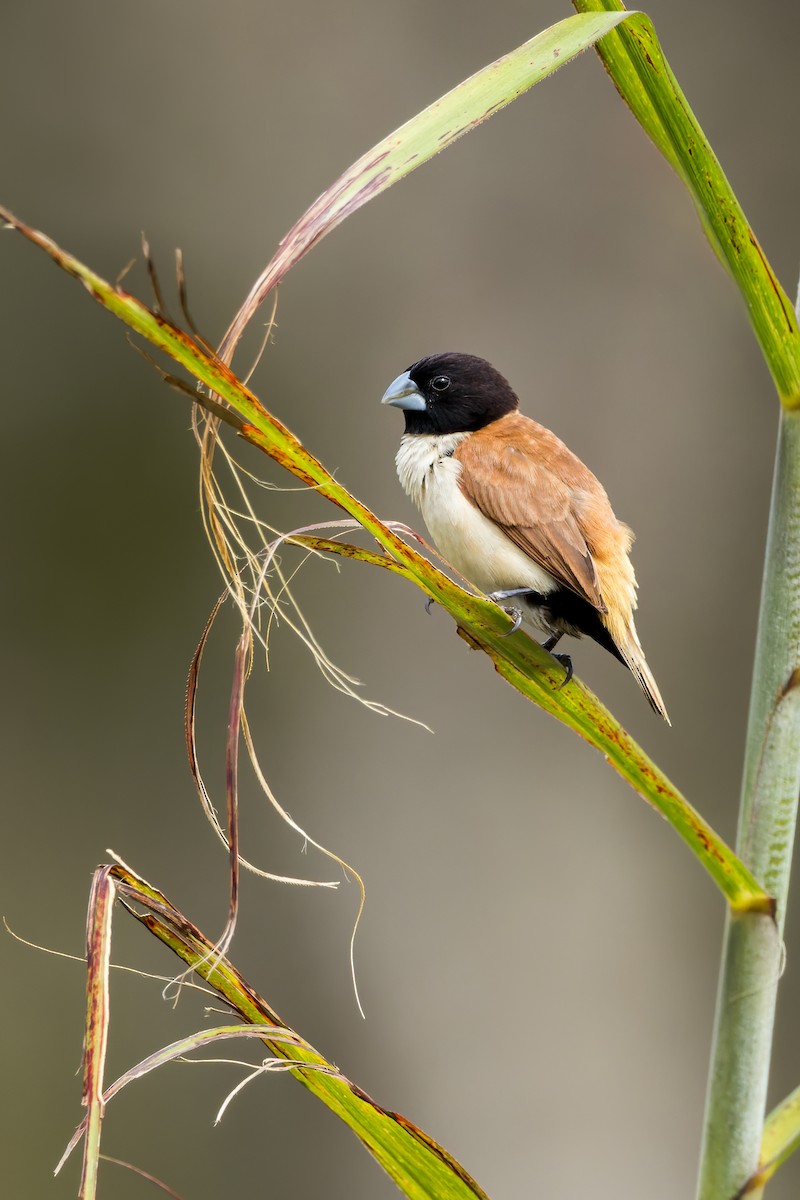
[{"x": 632, "y": 653}]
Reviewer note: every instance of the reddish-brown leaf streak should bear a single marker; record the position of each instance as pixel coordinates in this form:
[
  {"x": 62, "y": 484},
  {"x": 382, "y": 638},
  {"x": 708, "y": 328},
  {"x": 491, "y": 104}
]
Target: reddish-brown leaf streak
[
  {"x": 345, "y": 181},
  {"x": 709, "y": 847},
  {"x": 772, "y": 280},
  {"x": 363, "y": 194},
  {"x": 373, "y": 162},
  {"x": 421, "y": 1136},
  {"x": 317, "y": 221},
  {"x": 283, "y": 457},
  {"x": 638, "y": 36}
]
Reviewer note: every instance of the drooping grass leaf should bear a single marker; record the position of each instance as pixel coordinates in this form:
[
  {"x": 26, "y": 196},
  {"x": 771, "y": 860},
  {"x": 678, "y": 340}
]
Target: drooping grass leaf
[{"x": 426, "y": 134}]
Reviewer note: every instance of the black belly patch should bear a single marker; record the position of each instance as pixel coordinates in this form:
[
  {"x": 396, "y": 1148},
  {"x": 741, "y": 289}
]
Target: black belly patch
[{"x": 564, "y": 612}]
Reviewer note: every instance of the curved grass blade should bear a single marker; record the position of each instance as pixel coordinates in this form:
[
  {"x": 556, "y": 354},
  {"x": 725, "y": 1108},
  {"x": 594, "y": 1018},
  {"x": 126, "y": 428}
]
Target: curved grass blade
[
  {"x": 426, "y": 134},
  {"x": 199, "y": 1040},
  {"x": 521, "y": 661},
  {"x": 417, "y": 1164},
  {"x": 633, "y": 57}
]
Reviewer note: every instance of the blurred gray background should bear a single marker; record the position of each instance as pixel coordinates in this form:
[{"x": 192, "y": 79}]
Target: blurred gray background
[{"x": 539, "y": 952}]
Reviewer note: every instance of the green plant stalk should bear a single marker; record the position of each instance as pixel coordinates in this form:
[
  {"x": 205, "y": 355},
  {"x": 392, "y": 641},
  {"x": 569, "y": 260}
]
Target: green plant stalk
[{"x": 751, "y": 961}]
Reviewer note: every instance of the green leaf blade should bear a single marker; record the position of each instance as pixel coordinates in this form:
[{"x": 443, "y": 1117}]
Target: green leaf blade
[
  {"x": 641, "y": 74},
  {"x": 428, "y": 133},
  {"x": 780, "y": 1140}
]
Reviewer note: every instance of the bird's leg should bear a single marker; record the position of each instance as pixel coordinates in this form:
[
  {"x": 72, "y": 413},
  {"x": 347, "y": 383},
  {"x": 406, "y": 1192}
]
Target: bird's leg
[
  {"x": 514, "y": 613},
  {"x": 565, "y": 660},
  {"x": 498, "y": 597}
]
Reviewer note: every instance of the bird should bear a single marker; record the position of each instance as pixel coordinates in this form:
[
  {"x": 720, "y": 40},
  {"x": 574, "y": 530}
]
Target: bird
[{"x": 515, "y": 512}]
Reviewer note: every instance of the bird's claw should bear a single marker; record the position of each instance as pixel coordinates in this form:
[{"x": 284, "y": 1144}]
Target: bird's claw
[
  {"x": 516, "y": 616},
  {"x": 566, "y": 663},
  {"x": 429, "y": 603},
  {"x": 515, "y": 613}
]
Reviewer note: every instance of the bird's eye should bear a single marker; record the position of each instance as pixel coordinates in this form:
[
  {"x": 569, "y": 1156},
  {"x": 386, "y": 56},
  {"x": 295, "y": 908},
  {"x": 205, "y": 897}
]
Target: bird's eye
[{"x": 440, "y": 383}]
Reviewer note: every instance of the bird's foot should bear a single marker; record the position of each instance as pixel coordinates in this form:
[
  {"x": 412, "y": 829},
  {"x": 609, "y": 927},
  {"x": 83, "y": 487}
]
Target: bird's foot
[
  {"x": 514, "y": 613},
  {"x": 516, "y": 617},
  {"x": 566, "y": 663},
  {"x": 549, "y": 644},
  {"x": 429, "y": 603}
]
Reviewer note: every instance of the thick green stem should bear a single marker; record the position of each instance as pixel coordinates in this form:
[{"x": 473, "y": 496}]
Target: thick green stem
[{"x": 751, "y": 962}]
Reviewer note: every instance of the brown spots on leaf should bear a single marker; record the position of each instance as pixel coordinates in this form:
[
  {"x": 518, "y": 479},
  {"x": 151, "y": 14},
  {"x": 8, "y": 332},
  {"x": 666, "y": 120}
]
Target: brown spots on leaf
[
  {"x": 281, "y": 456},
  {"x": 729, "y": 219},
  {"x": 641, "y": 36},
  {"x": 708, "y": 846}
]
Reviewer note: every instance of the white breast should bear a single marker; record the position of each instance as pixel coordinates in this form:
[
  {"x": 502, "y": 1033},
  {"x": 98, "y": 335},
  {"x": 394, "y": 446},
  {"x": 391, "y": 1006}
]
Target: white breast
[{"x": 477, "y": 548}]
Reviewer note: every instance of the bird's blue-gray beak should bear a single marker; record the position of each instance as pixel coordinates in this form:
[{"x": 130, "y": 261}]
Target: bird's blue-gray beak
[{"x": 404, "y": 393}]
